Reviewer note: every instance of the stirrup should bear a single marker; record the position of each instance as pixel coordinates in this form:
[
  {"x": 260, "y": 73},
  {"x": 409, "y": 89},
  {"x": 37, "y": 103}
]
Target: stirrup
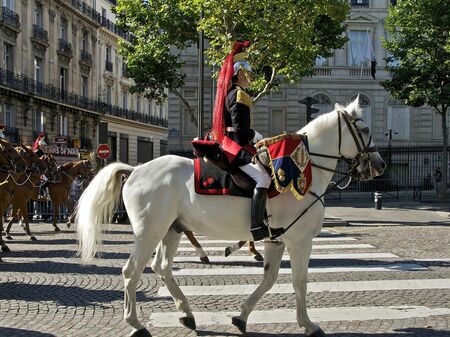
[{"x": 275, "y": 232}]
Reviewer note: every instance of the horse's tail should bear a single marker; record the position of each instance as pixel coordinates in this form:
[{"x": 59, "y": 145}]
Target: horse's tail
[{"x": 96, "y": 207}]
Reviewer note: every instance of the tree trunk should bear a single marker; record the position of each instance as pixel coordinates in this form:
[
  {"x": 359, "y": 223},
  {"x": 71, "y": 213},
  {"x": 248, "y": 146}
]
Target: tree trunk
[{"x": 443, "y": 182}]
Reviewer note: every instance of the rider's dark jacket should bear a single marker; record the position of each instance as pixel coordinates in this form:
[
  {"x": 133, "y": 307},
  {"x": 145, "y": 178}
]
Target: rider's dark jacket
[{"x": 238, "y": 123}]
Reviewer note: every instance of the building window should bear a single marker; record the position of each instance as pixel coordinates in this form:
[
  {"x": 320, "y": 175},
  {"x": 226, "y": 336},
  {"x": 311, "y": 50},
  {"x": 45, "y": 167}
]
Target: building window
[
  {"x": 62, "y": 125},
  {"x": 138, "y": 104},
  {"x": 63, "y": 29},
  {"x": 104, "y": 12},
  {"x": 356, "y": 47},
  {"x": 360, "y": 3},
  {"x": 8, "y": 56},
  {"x": 398, "y": 121},
  {"x": 38, "y": 69},
  {"x": 38, "y": 15},
  {"x": 85, "y": 41},
  {"x": 9, "y": 4},
  {"x": 108, "y": 95},
  {"x": 63, "y": 82},
  {"x": 324, "y": 105},
  {"x": 277, "y": 121},
  {"x": 84, "y": 86},
  {"x": 125, "y": 100},
  {"x": 83, "y": 130},
  {"x": 366, "y": 109},
  {"x": 38, "y": 120},
  {"x": 9, "y": 117}
]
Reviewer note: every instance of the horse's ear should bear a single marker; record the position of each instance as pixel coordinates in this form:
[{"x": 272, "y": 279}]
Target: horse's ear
[
  {"x": 353, "y": 107},
  {"x": 338, "y": 107}
]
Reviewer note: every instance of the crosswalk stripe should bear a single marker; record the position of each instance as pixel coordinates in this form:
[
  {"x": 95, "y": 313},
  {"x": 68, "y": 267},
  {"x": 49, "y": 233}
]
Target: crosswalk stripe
[
  {"x": 260, "y": 270},
  {"x": 342, "y": 286},
  {"x": 315, "y": 247},
  {"x": 248, "y": 258},
  {"x": 226, "y": 242},
  {"x": 170, "y": 319}
]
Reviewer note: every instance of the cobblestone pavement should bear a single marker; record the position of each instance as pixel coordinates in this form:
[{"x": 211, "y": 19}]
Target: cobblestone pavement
[{"x": 45, "y": 291}]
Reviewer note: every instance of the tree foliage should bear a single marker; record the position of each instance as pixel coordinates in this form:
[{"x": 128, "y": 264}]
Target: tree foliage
[
  {"x": 286, "y": 37},
  {"x": 419, "y": 47}
]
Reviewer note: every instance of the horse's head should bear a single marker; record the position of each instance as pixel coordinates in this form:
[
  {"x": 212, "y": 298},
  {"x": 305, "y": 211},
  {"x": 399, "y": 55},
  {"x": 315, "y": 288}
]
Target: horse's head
[
  {"x": 10, "y": 158},
  {"x": 52, "y": 167},
  {"x": 356, "y": 144},
  {"x": 32, "y": 161}
]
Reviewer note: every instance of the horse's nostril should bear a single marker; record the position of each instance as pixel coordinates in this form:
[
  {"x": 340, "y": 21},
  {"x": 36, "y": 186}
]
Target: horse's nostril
[{"x": 383, "y": 165}]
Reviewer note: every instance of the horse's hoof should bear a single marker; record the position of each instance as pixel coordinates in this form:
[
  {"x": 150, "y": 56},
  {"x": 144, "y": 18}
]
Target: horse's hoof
[
  {"x": 204, "y": 259},
  {"x": 33, "y": 238},
  {"x": 9, "y": 237},
  {"x": 318, "y": 333},
  {"x": 258, "y": 257},
  {"x": 239, "y": 323},
  {"x": 188, "y": 322},
  {"x": 58, "y": 230},
  {"x": 227, "y": 251},
  {"x": 141, "y": 333},
  {"x": 5, "y": 249}
]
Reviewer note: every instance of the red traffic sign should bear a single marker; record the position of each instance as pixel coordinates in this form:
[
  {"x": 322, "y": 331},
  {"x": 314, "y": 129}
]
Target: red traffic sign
[{"x": 103, "y": 151}]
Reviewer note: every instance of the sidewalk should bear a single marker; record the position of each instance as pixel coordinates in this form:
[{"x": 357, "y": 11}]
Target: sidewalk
[{"x": 393, "y": 213}]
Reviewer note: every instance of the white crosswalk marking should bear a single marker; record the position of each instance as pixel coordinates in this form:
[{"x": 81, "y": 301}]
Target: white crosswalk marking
[{"x": 342, "y": 263}]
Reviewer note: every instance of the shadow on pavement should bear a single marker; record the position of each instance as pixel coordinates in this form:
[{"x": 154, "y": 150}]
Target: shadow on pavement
[
  {"x": 23, "y": 333},
  {"x": 51, "y": 267},
  {"x": 407, "y": 332}
]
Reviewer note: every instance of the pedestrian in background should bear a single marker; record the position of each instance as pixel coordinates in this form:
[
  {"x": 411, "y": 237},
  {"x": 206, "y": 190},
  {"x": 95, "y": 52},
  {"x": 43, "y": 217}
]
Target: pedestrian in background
[{"x": 437, "y": 179}]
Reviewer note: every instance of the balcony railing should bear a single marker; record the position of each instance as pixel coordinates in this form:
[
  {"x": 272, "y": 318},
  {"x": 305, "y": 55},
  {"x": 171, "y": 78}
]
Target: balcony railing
[
  {"x": 65, "y": 48},
  {"x": 40, "y": 34},
  {"x": 97, "y": 17},
  {"x": 125, "y": 72},
  {"x": 108, "y": 65},
  {"x": 29, "y": 86},
  {"x": 10, "y": 18},
  {"x": 86, "y": 58}
]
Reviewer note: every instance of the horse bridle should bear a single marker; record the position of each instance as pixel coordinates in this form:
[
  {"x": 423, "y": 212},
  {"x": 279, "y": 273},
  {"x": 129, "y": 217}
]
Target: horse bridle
[
  {"x": 12, "y": 162},
  {"x": 364, "y": 149}
]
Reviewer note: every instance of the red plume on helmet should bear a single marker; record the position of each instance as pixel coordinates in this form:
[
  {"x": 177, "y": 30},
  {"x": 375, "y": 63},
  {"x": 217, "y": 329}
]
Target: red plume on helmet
[
  {"x": 223, "y": 84},
  {"x": 36, "y": 142}
]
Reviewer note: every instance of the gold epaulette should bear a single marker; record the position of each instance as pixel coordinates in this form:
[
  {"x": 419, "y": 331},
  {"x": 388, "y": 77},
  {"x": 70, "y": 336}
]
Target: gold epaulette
[{"x": 243, "y": 98}]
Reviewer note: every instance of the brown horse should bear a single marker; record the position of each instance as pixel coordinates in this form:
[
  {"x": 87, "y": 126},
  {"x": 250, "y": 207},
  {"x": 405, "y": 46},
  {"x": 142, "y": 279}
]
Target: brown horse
[
  {"x": 26, "y": 188},
  {"x": 60, "y": 184},
  {"x": 12, "y": 166}
]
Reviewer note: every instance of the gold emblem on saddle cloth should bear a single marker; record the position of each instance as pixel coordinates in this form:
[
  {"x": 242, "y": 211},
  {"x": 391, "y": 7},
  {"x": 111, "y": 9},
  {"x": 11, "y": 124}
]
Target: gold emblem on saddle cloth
[
  {"x": 281, "y": 175},
  {"x": 300, "y": 157}
]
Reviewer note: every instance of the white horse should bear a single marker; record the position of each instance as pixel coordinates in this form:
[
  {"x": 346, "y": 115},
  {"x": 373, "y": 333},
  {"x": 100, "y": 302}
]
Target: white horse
[{"x": 159, "y": 197}]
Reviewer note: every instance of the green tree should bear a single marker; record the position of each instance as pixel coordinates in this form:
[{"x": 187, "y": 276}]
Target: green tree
[
  {"x": 419, "y": 60},
  {"x": 286, "y": 37}
]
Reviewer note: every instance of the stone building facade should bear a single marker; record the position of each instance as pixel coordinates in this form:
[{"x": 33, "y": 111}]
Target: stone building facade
[
  {"x": 60, "y": 73},
  {"x": 338, "y": 79}
]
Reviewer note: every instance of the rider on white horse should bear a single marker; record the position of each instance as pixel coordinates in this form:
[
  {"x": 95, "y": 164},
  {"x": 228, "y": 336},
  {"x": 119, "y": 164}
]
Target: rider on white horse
[{"x": 232, "y": 128}]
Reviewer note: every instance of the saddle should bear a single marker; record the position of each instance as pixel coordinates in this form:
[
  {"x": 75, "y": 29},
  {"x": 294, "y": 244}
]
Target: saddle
[{"x": 286, "y": 157}]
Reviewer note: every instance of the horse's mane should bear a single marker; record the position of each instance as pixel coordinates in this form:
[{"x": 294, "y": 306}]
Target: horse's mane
[{"x": 318, "y": 125}]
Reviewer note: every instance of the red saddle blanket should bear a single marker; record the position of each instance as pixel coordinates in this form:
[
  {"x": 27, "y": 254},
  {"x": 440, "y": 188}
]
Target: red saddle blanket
[{"x": 212, "y": 180}]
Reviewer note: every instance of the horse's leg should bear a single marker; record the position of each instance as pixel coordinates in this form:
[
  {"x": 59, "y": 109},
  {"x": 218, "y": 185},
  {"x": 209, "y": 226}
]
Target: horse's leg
[
  {"x": 162, "y": 265},
  {"x": 56, "y": 205},
  {"x": 5, "y": 248},
  {"x": 23, "y": 215},
  {"x": 273, "y": 253},
  {"x": 231, "y": 249},
  {"x": 252, "y": 249},
  {"x": 10, "y": 221},
  {"x": 144, "y": 244},
  {"x": 198, "y": 247},
  {"x": 299, "y": 255}
]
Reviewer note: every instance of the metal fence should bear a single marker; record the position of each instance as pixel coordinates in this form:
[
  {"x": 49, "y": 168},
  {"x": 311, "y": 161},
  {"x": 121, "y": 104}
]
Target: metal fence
[{"x": 410, "y": 171}]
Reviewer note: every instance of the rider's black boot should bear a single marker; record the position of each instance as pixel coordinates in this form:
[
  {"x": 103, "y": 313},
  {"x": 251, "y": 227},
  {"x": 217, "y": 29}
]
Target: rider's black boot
[{"x": 258, "y": 229}]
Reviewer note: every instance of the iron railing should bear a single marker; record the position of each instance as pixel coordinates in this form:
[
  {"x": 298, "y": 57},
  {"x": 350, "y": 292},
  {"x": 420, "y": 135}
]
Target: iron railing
[
  {"x": 108, "y": 65},
  {"x": 10, "y": 18},
  {"x": 65, "y": 48},
  {"x": 40, "y": 34},
  {"x": 29, "y": 86},
  {"x": 85, "y": 57},
  {"x": 360, "y": 3}
]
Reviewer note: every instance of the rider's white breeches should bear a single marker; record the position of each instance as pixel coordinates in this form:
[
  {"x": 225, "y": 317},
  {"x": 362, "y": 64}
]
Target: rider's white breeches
[{"x": 258, "y": 173}]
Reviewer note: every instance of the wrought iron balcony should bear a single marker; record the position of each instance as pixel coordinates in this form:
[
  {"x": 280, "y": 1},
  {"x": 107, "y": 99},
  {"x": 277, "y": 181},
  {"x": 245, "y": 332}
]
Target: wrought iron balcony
[
  {"x": 29, "y": 86},
  {"x": 86, "y": 58},
  {"x": 65, "y": 48},
  {"x": 125, "y": 72},
  {"x": 40, "y": 35},
  {"x": 108, "y": 65},
  {"x": 10, "y": 18}
]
